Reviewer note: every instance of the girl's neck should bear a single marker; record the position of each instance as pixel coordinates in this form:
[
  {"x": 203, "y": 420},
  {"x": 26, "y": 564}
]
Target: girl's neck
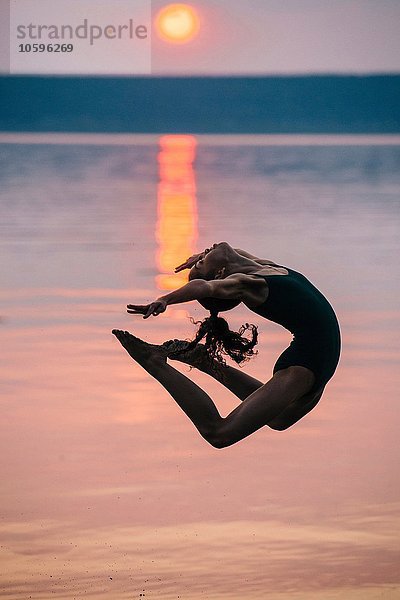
[{"x": 241, "y": 264}]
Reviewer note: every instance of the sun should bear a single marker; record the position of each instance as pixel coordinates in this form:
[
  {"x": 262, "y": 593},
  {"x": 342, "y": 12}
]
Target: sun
[{"x": 177, "y": 23}]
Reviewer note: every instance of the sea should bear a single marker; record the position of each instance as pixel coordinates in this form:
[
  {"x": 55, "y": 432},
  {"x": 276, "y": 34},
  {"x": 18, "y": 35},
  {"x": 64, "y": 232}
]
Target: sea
[{"x": 108, "y": 491}]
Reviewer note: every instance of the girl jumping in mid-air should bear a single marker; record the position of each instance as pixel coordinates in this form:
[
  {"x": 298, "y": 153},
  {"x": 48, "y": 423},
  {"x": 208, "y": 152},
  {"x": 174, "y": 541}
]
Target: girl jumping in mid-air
[{"x": 220, "y": 278}]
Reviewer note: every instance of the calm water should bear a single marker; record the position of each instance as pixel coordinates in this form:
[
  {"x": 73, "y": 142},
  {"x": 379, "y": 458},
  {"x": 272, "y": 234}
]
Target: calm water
[{"x": 107, "y": 489}]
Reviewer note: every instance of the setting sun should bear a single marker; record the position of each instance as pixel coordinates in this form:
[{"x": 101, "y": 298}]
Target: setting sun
[{"x": 177, "y": 23}]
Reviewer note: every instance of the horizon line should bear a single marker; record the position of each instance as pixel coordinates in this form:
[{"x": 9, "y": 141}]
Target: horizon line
[
  {"x": 258, "y": 75},
  {"x": 217, "y": 139}
]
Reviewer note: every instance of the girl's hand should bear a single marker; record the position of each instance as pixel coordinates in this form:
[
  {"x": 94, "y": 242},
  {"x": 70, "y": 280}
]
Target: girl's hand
[
  {"x": 189, "y": 262},
  {"x": 154, "y": 308},
  {"x": 192, "y": 260}
]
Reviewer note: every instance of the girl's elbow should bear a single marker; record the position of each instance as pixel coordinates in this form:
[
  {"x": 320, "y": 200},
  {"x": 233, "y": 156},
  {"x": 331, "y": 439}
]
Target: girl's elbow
[{"x": 202, "y": 288}]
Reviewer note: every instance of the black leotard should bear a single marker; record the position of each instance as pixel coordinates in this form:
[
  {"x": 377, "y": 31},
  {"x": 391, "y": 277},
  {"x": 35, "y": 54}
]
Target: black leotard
[{"x": 296, "y": 304}]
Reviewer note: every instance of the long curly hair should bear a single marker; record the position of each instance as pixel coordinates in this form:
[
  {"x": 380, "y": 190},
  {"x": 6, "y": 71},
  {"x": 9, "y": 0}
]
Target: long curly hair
[{"x": 219, "y": 340}]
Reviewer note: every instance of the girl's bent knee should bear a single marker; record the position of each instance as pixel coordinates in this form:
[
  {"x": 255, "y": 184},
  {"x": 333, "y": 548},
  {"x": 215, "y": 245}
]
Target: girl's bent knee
[
  {"x": 216, "y": 439},
  {"x": 219, "y": 443}
]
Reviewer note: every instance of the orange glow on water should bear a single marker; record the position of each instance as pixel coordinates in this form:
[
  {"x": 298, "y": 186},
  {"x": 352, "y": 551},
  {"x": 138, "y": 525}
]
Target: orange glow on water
[
  {"x": 176, "y": 231},
  {"x": 107, "y": 489},
  {"x": 177, "y": 23}
]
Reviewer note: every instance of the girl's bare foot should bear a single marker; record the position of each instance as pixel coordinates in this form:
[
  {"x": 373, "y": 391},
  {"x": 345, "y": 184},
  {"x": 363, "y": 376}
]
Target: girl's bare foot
[
  {"x": 149, "y": 356},
  {"x": 196, "y": 357}
]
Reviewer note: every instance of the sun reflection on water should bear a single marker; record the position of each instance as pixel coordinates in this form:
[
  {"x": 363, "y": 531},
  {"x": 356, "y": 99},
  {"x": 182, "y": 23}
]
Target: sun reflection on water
[
  {"x": 107, "y": 491},
  {"x": 176, "y": 229}
]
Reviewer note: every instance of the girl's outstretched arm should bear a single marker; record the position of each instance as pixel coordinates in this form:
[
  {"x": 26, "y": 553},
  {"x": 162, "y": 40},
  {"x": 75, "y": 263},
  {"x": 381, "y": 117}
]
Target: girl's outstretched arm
[
  {"x": 193, "y": 290},
  {"x": 235, "y": 286}
]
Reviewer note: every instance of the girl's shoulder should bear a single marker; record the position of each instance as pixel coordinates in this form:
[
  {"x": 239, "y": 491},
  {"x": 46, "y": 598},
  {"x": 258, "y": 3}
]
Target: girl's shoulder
[{"x": 267, "y": 270}]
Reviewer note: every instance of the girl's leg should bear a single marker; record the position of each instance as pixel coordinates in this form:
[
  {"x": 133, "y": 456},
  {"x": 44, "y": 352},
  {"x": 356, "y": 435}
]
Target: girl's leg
[
  {"x": 241, "y": 384},
  {"x": 238, "y": 382},
  {"x": 253, "y": 413}
]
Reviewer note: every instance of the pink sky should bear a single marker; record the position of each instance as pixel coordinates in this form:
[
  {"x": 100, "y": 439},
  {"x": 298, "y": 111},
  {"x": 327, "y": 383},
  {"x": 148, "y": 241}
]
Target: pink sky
[{"x": 285, "y": 37}]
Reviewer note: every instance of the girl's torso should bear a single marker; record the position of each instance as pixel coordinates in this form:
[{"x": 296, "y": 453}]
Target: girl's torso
[
  {"x": 292, "y": 301},
  {"x": 295, "y": 303}
]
